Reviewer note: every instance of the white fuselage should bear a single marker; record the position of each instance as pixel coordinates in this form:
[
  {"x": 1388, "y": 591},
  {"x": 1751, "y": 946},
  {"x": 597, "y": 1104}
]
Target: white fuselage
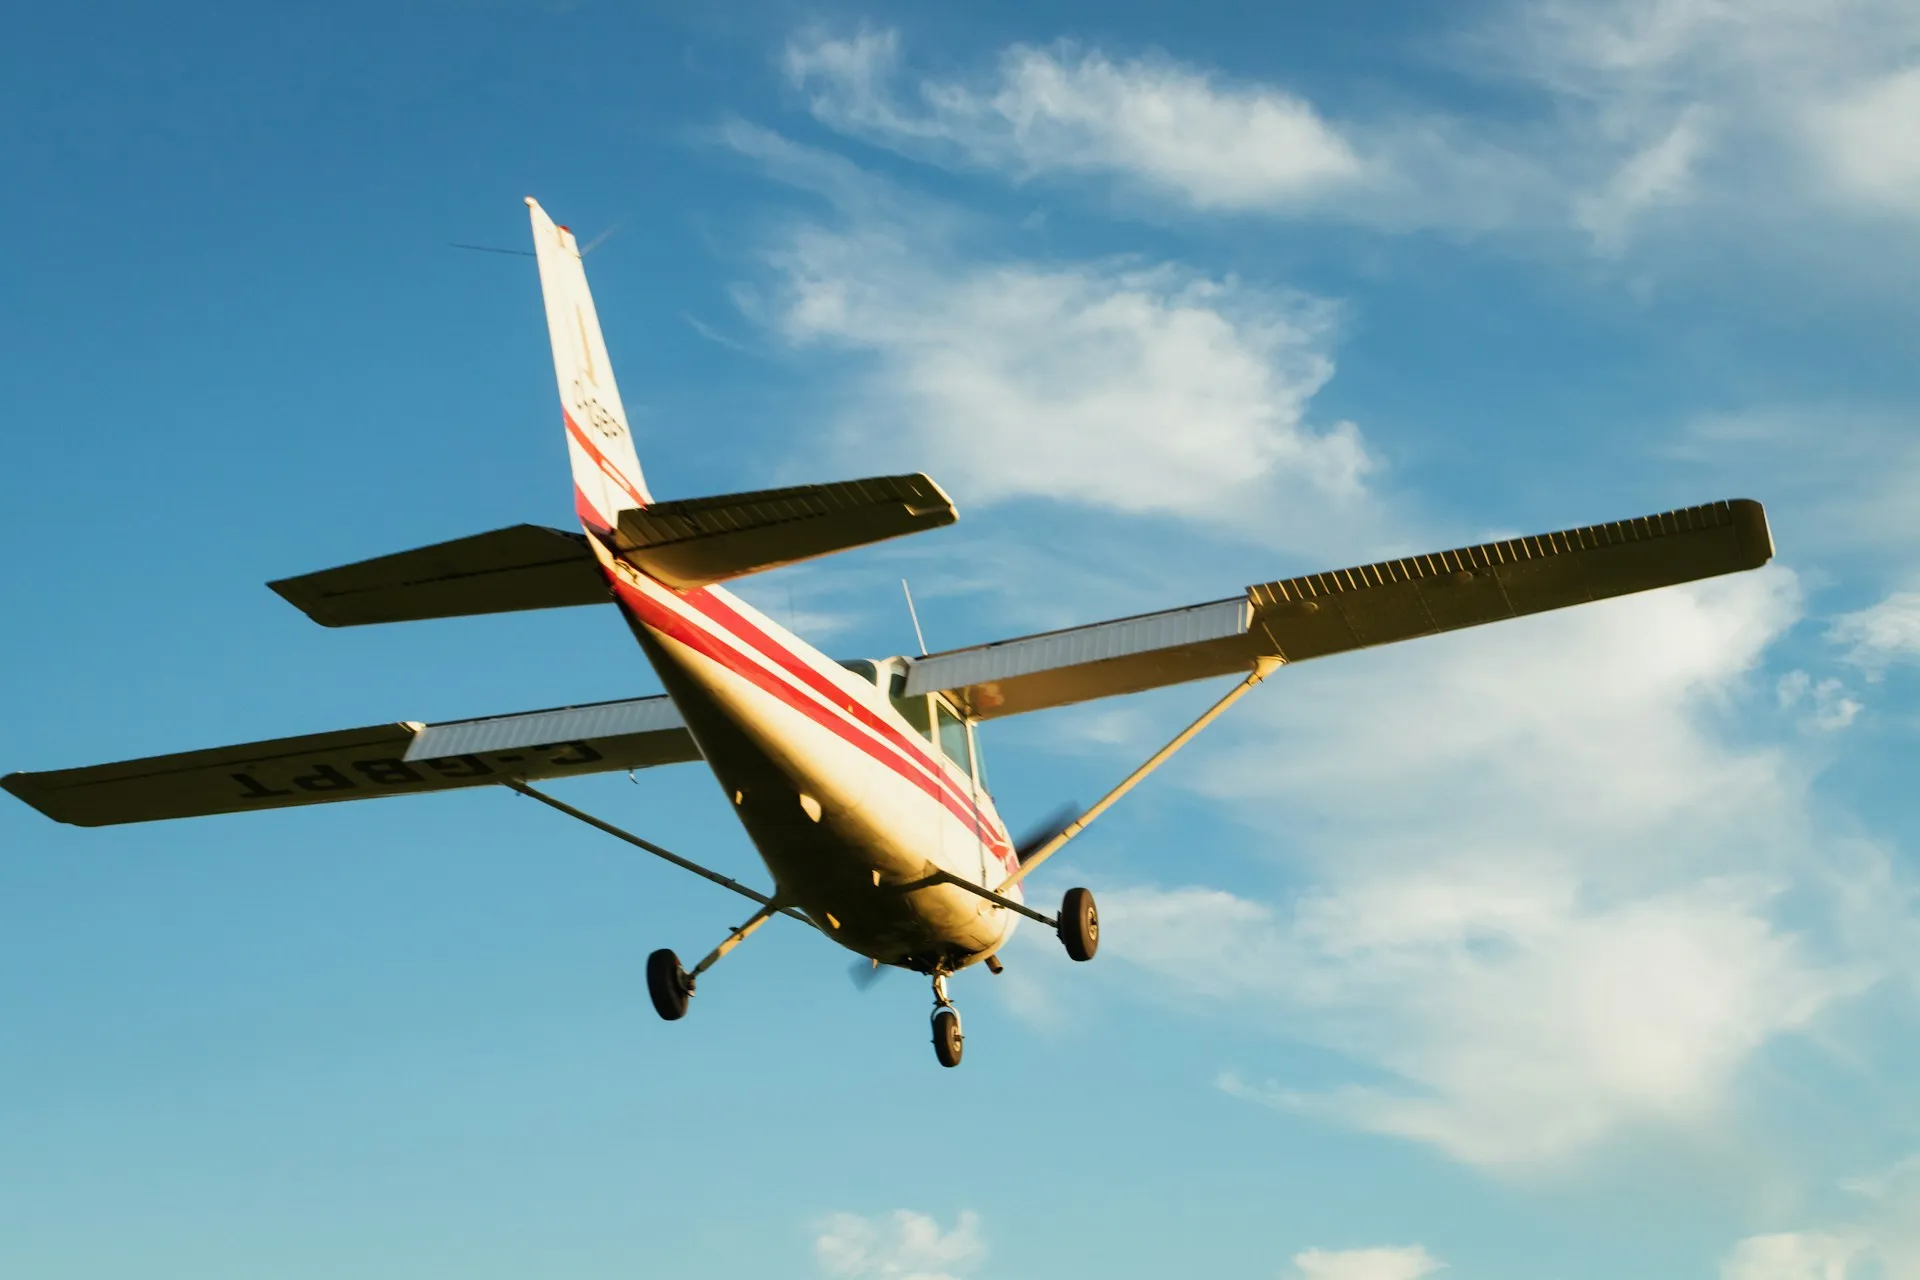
[{"x": 849, "y": 804}]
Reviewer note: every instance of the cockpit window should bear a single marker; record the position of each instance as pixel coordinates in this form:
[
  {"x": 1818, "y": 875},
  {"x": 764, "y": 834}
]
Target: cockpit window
[
  {"x": 927, "y": 711},
  {"x": 912, "y": 710},
  {"x": 862, "y": 668},
  {"x": 953, "y": 737}
]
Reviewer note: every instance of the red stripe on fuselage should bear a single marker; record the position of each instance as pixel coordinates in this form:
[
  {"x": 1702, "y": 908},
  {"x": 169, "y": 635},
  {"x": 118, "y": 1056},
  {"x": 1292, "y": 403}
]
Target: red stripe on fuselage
[
  {"x": 892, "y": 748},
  {"x": 738, "y": 628},
  {"x": 589, "y": 514},
  {"x": 607, "y": 468}
]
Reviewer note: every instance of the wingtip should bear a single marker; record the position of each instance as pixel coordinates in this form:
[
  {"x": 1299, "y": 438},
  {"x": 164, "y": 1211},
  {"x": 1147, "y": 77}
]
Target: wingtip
[
  {"x": 23, "y": 787},
  {"x": 1755, "y": 533}
]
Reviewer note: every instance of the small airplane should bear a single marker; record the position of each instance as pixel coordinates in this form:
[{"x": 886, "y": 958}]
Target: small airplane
[{"x": 858, "y": 781}]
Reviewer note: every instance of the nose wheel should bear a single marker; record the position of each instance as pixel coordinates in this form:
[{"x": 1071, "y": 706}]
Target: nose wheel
[{"x": 948, "y": 1042}]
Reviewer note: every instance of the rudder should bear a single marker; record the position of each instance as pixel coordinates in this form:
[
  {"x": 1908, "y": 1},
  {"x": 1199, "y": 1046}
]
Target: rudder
[{"x": 606, "y": 470}]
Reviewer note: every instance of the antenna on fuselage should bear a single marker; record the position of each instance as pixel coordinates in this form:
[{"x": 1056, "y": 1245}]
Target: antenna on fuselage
[{"x": 915, "y": 615}]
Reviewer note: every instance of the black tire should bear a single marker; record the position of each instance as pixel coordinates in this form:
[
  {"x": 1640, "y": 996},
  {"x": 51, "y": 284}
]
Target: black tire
[
  {"x": 947, "y": 1040},
  {"x": 1079, "y": 924},
  {"x": 668, "y": 984}
]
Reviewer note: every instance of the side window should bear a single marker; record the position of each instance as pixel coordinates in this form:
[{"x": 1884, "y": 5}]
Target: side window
[
  {"x": 953, "y": 738},
  {"x": 862, "y": 668},
  {"x": 912, "y": 710}
]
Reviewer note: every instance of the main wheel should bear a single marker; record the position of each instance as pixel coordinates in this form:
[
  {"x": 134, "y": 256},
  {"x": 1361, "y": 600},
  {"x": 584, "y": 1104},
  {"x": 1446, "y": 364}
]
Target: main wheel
[
  {"x": 1079, "y": 924},
  {"x": 668, "y": 984},
  {"x": 947, "y": 1039}
]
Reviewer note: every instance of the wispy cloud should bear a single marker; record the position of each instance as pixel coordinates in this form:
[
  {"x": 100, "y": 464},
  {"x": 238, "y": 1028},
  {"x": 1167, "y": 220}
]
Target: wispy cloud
[
  {"x": 1410, "y": 1263},
  {"x": 1637, "y": 109},
  {"x": 1825, "y": 704},
  {"x": 1139, "y": 386},
  {"x": 1839, "y": 479},
  {"x": 1551, "y": 908},
  {"x": 902, "y": 1245},
  {"x": 1164, "y": 129},
  {"x": 1749, "y": 112},
  {"x": 1870, "y": 141},
  {"x": 1567, "y": 878},
  {"x": 1879, "y": 1239},
  {"x": 1881, "y": 635},
  {"x": 1792, "y": 1255},
  {"x": 1659, "y": 173},
  {"x": 1068, "y": 109}
]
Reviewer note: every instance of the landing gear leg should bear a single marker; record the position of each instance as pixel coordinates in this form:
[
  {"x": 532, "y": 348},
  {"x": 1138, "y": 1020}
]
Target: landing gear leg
[
  {"x": 947, "y": 1040},
  {"x": 672, "y": 987}
]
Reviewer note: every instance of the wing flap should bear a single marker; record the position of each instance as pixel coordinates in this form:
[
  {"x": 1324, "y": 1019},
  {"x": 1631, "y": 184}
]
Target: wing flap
[
  {"x": 362, "y": 764},
  {"x": 1126, "y": 655},
  {"x": 1295, "y": 619},
  {"x": 524, "y": 566},
  {"x": 696, "y": 541}
]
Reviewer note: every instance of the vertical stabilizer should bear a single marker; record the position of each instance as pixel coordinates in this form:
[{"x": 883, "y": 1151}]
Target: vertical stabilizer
[{"x": 606, "y": 471}]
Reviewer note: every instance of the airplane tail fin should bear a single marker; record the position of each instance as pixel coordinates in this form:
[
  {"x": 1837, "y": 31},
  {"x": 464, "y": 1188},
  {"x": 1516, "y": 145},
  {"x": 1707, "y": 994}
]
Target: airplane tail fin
[{"x": 606, "y": 470}]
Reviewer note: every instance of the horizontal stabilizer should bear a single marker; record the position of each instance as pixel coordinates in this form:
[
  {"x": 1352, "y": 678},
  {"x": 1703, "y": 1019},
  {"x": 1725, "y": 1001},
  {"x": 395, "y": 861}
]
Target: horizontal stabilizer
[
  {"x": 525, "y": 566},
  {"x": 361, "y": 764},
  {"x": 1323, "y": 613},
  {"x": 696, "y": 541}
]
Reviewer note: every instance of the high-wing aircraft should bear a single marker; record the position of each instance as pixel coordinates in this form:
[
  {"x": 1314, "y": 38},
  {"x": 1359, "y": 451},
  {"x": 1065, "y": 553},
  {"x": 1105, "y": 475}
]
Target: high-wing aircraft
[{"x": 858, "y": 780}]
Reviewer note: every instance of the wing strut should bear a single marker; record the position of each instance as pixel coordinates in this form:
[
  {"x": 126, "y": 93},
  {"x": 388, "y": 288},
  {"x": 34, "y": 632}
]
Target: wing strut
[
  {"x": 727, "y": 882},
  {"x": 1262, "y": 668}
]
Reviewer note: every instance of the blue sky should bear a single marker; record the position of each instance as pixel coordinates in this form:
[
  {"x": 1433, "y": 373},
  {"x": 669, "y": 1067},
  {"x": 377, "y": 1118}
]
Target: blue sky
[{"x": 1581, "y": 947}]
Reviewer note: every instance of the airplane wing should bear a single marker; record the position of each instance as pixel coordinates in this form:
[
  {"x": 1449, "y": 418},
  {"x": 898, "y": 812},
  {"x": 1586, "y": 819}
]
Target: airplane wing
[
  {"x": 1322, "y": 613},
  {"x": 361, "y": 764}
]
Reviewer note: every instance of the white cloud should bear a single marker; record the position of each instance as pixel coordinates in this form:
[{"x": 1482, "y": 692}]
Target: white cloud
[
  {"x": 1660, "y": 173},
  {"x": 1872, "y": 140},
  {"x": 1366, "y": 1264},
  {"x": 1839, "y": 479},
  {"x": 1529, "y": 1027},
  {"x": 1173, "y": 131},
  {"x": 1640, "y": 107},
  {"x": 1827, "y": 704},
  {"x": 1066, "y": 109},
  {"x": 1553, "y": 894},
  {"x": 1881, "y": 635},
  {"x": 1807, "y": 88},
  {"x": 1602, "y": 714},
  {"x": 1143, "y": 387},
  {"x": 1879, "y": 1241},
  {"x": 902, "y": 1245},
  {"x": 1546, "y": 893},
  {"x": 1791, "y": 1256}
]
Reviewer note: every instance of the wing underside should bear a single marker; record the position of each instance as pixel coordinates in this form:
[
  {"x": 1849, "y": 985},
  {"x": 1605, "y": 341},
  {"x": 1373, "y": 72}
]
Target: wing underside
[
  {"x": 685, "y": 544},
  {"x": 524, "y": 566},
  {"x": 361, "y": 764},
  {"x": 1294, "y": 619},
  {"x": 692, "y": 542}
]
